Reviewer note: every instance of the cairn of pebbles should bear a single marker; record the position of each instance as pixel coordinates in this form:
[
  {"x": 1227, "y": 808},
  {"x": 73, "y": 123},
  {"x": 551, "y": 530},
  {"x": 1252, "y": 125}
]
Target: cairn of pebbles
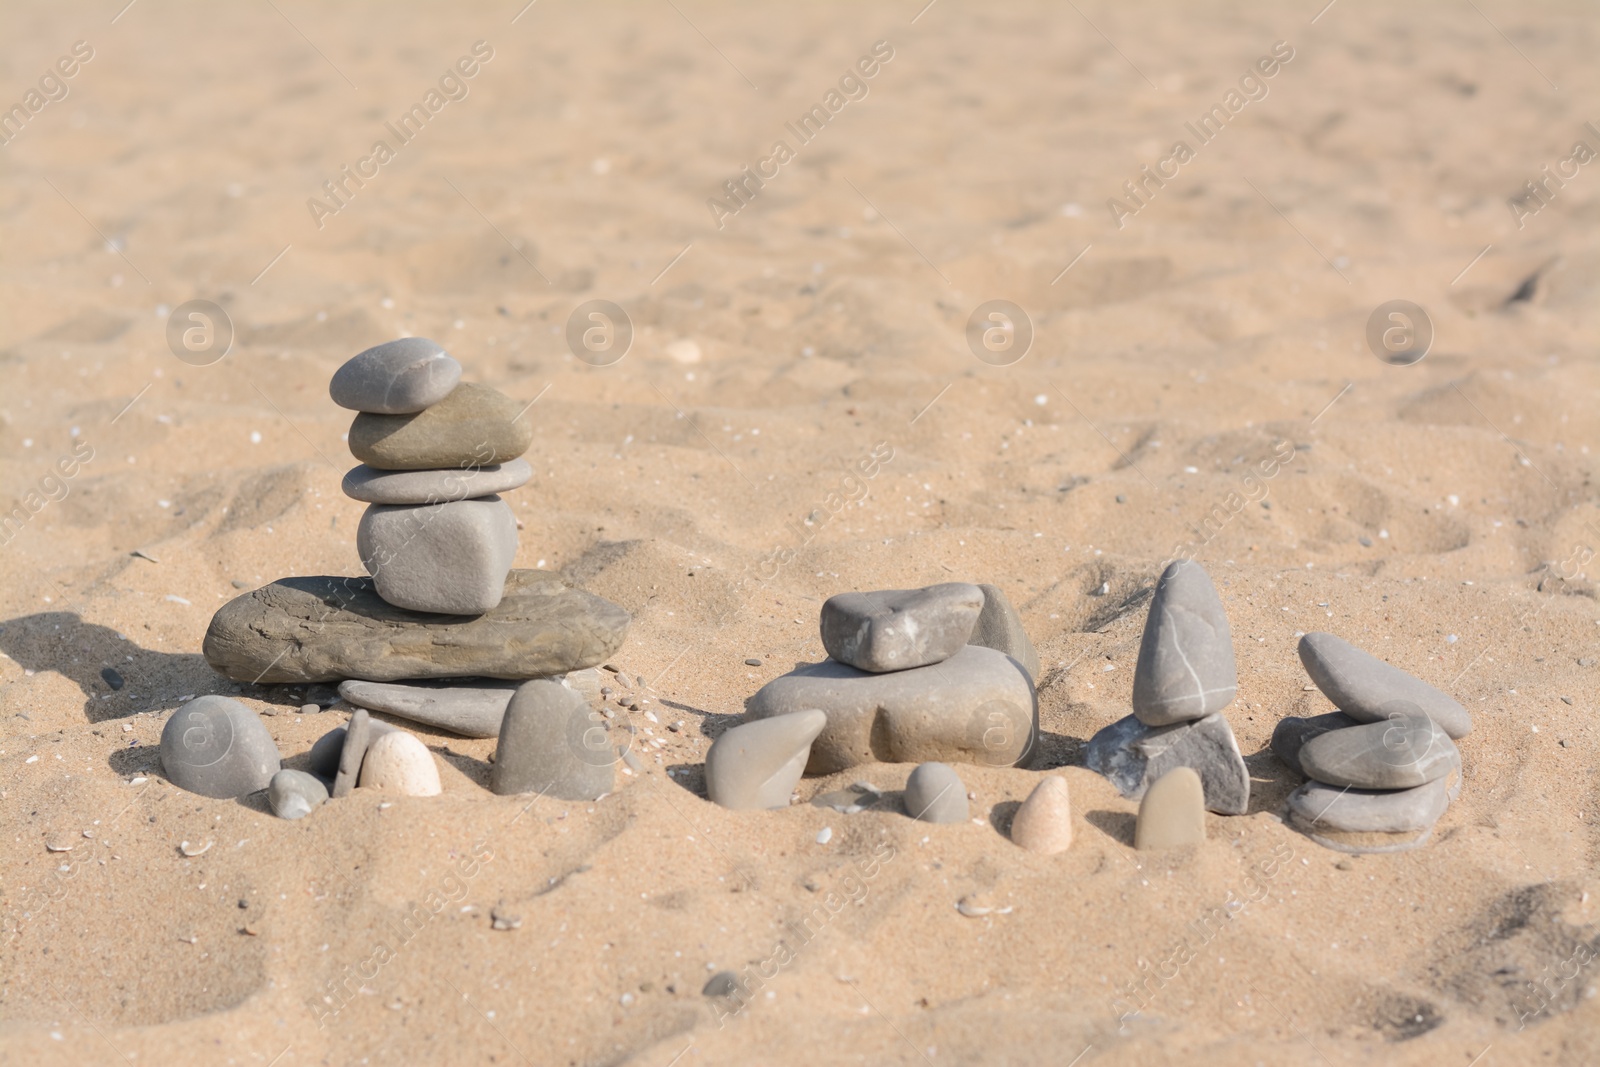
[
  {"x": 1383, "y": 768},
  {"x": 1184, "y": 677}
]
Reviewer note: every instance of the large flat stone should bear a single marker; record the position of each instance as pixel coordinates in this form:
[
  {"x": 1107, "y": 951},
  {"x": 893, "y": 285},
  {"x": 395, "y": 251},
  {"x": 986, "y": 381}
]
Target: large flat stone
[
  {"x": 325, "y": 629},
  {"x": 978, "y": 706},
  {"x": 896, "y": 629},
  {"x": 1185, "y": 669},
  {"x": 1368, "y": 689},
  {"x": 1133, "y": 756},
  {"x": 474, "y": 424}
]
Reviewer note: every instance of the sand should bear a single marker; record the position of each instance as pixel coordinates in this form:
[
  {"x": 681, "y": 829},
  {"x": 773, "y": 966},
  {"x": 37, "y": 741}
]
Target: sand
[{"x": 715, "y": 482}]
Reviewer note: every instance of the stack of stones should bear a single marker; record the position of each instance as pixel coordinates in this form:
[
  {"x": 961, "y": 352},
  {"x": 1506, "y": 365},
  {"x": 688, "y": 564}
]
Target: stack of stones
[
  {"x": 925, "y": 676},
  {"x": 1184, "y": 677},
  {"x": 444, "y": 632},
  {"x": 1384, "y": 767},
  {"x": 435, "y": 454}
]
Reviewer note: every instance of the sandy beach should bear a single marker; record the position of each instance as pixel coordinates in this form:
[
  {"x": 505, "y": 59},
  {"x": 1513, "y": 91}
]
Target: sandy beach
[{"x": 1194, "y": 250}]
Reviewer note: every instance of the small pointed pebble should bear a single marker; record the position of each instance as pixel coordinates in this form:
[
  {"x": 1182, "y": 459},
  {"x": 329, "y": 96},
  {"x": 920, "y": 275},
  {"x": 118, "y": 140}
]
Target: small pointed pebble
[
  {"x": 1186, "y": 668},
  {"x": 757, "y": 764},
  {"x": 1173, "y": 812},
  {"x": 292, "y": 794},
  {"x": 1044, "y": 821},
  {"x": 400, "y": 763},
  {"x": 934, "y": 793}
]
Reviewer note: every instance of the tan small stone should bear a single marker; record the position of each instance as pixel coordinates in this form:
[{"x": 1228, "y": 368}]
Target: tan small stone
[
  {"x": 400, "y": 763},
  {"x": 1044, "y": 821},
  {"x": 1173, "y": 812}
]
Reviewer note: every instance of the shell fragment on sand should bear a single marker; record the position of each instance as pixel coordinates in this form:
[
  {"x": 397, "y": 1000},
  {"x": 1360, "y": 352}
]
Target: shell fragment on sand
[
  {"x": 978, "y": 706},
  {"x": 1366, "y": 688},
  {"x": 465, "y": 482},
  {"x": 475, "y": 424},
  {"x": 471, "y": 711},
  {"x": 1000, "y": 627},
  {"x": 1133, "y": 756},
  {"x": 1186, "y": 668},
  {"x": 756, "y": 765},
  {"x": 896, "y": 629},
  {"x": 217, "y": 747},
  {"x": 1173, "y": 812},
  {"x": 395, "y": 378},
  {"x": 451, "y": 559},
  {"x": 324, "y": 629}
]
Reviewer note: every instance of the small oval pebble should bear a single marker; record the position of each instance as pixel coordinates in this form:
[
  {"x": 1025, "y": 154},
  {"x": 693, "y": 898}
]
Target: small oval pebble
[
  {"x": 217, "y": 747},
  {"x": 1044, "y": 821},
  {"x": 400, "y": 763},
  {"x": 1173, "y": 812},
  {"x": 395, "y": 378},
  {"x": 292, "y": 794},
  {"x": 1401, "y": 753},
  {"x": 934, "y": 793}
]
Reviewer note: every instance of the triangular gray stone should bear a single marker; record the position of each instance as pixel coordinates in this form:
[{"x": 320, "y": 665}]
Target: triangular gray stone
[
  {"x": 1185, "y": 669},
  {"x": 553, "y": 744},
  {"x": 1132, "y": 756},
  {"x": 756, "y": 765}
]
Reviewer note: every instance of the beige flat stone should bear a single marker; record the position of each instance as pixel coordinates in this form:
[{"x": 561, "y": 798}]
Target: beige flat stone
[
  {"x": 1173, "y": 812},
  {"x": 1043, "y": 823}
]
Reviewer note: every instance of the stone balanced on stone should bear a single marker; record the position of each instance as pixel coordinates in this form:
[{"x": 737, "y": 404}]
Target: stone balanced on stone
[
  {"x": 1383, "y": 768},
  {"x": 1184, "y": 677}
]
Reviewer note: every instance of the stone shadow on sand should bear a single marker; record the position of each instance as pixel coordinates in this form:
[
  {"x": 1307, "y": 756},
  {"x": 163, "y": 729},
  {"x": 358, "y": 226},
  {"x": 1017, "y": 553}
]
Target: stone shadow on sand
[{"x": 1117, "y": 825}]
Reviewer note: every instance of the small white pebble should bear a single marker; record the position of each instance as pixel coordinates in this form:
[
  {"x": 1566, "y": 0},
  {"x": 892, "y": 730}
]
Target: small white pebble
[{"x": 825, "y": 835}]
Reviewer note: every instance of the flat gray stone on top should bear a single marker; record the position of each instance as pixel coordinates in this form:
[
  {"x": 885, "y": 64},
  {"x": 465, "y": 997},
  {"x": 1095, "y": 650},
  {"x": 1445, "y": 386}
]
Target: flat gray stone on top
[
  {"x": 292, "y": 794},
  {"x": 217, "y": 747},
  {"x": 552, "y": 743},
  {"x": 895, "y": 629},
  {"x": 1132, "y": 756},
  {"x": 756, "y": 765},
  {"x": 1363, "y": 686},
  {"x": 446, "y": 558},
  {"x": 395, "y": 378},
  {"x": 474, "y": 424},
  {"x": 1000, "y": 627},
  {"x": 1326, "y": 808},
  {"x": 1293, "y": 731},
  {"x": 1400, "y": 753},
  {"x": 469, "y": 710},
  {"x": 465, "y": 481},
  {"x": 978, "y": 706},
  {"x": 324, "y": 629},
  {"x": 934, "y": 793},
  {"x": 1185, "y": 668}
]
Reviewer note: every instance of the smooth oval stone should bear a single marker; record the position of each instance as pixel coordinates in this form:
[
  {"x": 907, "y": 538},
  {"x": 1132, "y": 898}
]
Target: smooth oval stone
[
  {"x": 324, "y": 758},
  {"x": 400, "y": 763},
  {"x": 1000, "y": 627},
  {"x": 1292, "y": 732},
  {"x": 1328, "y": 808},
  {"x": 552, "y": 743},
  {"x": 1043, "y": 823},
  {"x": 978, "y": 706},
  {"x": 323, "y": 629},
  {"x": 1363, "y": 686},
  {"x": 934, "y": 793},
  {"x": 474, "y": 424},
  {"x": 471, "y": 711},
  {"x": 451, "y": 559},
  {"x": 1185, "y": 668},
  {"x": 1401, "y": 753},
  {"x": 895, "y": 629},
  {"x": 434, "y": 486},
  {"x": 1173, "y": 812},
  {"x": 217, "y": 747},
  {"x": 1133, "y": 756},
  {"x": 292, "y": 794},
  {"x": 395, "y": 378},
  {"x": 756, "y": 765}
]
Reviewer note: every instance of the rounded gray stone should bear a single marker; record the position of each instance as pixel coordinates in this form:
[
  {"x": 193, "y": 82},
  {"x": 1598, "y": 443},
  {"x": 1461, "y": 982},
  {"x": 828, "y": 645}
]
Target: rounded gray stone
[
  {"x": 1323, "y": 808},
  {"x": 1292, "y": 732},
  {"x": 217, "y": 747},
  {"x": 292, "y": 794},
  {"x": 324, "y": 759},
  {"x": 756, "y": 765},
  {"x": 450, "y": 559},
  {"x": 395, "y": 378},
  {"x": 934, "y": 793},
  {"x": 1000, "y": 627},
  {"x": 1399, "y": 753},
  {"x": 471, "y": 711},
  {"x": 1134, "y": 756},
  {"x": 978, "y": 706},
  {"x": 1185, "y": 669},
  {"x": 552, "y": 743},
  {"x": 1363, "y": 686},
  {"x": 376, "y": 486},
  {"x": 895, "y": 629}
]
